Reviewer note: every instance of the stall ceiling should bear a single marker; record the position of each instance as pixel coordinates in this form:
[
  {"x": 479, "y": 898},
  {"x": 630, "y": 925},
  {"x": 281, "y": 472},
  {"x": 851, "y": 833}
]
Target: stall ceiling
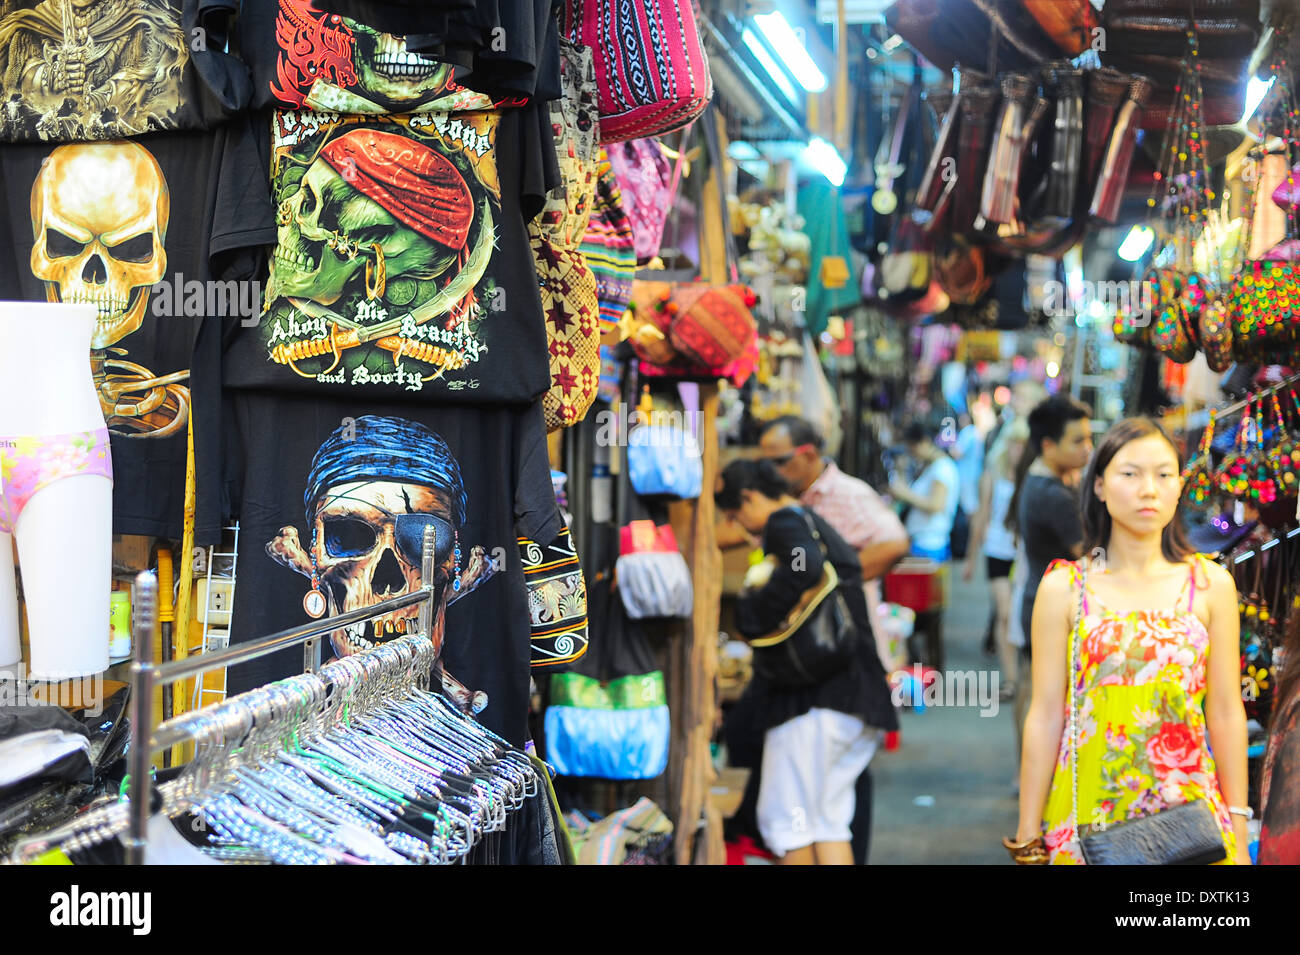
[{"x": 856, "y": 11}]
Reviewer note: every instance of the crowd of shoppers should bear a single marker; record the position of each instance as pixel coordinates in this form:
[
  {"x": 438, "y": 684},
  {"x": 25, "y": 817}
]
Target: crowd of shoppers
[{"x": 1116, "y": 640}]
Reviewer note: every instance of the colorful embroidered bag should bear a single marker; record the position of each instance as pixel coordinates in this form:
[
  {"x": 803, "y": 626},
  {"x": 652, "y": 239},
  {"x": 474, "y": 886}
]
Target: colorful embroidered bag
[
  {"x": 650, "y": 64},
  {"x": 608, "y": 247},
  {"x": 566, "y": 283}
]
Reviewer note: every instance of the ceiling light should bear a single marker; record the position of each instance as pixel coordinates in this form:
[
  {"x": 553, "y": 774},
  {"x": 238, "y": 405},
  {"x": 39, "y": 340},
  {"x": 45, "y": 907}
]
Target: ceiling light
[
  {"x": 893, "y": 43},
  {"x": 1256, "y": 90},
  {"x": 789, "y": 47},
  {"x": 1136, "y": 243},
  {"x": 826, "y": 159},
  {"x": 773, "y": 69}
]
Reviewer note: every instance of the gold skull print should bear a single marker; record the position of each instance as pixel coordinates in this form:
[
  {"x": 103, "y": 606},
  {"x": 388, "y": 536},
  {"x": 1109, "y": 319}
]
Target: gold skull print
[
  {"x": 386, "y": 228},
  {"x": 376, "y": 485},
  {"x": 99, "y": 224},
  {"x": 90, "y": 69}
]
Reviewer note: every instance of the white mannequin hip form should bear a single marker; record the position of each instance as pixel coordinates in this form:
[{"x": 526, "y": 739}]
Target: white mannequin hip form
[{"x": 64, "y": 529}]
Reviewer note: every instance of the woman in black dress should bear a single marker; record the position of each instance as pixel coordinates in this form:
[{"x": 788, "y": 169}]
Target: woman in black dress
[{"x": 819, "y": 739}]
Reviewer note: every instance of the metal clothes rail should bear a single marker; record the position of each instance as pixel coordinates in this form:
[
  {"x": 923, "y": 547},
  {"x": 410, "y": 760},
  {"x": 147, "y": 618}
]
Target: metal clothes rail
[
  {"x": 146, "y": 675},
  {"x": 1202, "y": 418}
]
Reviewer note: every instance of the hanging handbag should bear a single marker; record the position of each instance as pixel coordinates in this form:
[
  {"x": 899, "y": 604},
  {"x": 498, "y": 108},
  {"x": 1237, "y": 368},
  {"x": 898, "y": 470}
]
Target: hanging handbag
[
  {"x": 816, "y": 639},
  {"x": 650, "y": 64},
  {"x": 1227, "y": 28},
  {"x": 652, "y": 575},
  {"x": 566, "y": 284},
  {"x": 609, "y": 718},
  {"x": 648, "y": 184},
  {"x": 608, "y": 247},
  {"x": 663, "y": 460},
  {"x": 1187, "y": 834},
  {"x": 557, "y": 600}
]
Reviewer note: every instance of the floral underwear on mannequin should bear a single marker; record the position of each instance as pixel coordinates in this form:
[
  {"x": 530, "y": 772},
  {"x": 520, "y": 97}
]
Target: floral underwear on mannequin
[{"x": 30, "y": 463}]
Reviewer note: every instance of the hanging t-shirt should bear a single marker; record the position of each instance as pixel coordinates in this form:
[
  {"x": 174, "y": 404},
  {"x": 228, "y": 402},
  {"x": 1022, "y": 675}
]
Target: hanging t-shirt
[
  {"x": 302, "y": 56},
  {"x": 109, "y": 69},
  {"x": 334, "y": 498},
  {"x": 401, "y": 267},
  {"x": 161, "y": 233}
]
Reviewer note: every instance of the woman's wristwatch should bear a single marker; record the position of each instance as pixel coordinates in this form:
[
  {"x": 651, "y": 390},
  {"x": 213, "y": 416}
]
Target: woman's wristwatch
[{"x": 1242, "y": 811}]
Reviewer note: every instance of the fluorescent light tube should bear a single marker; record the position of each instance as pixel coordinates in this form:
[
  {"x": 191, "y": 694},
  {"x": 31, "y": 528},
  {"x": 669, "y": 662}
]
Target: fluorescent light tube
[
  {"x": 773, "y": 68},
  {"x": 790, "y": 48},
  {"x": 1136, "y": 243},
  {"x": 825, "y": 158}
]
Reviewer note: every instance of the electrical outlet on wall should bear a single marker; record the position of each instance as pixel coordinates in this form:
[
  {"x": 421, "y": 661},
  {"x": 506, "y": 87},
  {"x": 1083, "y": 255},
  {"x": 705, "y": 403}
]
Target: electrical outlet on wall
[{"x": 219, "y": 606}]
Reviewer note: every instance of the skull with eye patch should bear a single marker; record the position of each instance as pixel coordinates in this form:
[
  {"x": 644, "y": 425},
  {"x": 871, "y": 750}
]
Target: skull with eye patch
[
  {"x": 99, "y": 221},
  {"x": 376, "y": 485}
]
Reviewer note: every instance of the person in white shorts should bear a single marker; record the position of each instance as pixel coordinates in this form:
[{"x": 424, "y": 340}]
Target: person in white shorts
[{"x": 817, "y": 739}]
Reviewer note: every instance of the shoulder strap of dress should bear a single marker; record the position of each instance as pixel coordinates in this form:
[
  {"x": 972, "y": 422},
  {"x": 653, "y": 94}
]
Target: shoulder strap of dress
[{"x": 1076, "y": 577}]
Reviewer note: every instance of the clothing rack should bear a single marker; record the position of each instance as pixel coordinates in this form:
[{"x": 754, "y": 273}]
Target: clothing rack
[{"x": 146, "y": 675}]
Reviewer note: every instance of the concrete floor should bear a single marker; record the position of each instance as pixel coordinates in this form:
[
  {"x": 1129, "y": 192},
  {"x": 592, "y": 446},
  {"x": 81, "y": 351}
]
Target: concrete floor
[{"x": 962, "y": 761}]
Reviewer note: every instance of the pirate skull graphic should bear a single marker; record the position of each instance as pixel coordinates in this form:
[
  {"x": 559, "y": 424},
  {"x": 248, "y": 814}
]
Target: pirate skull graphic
[
  {"x": 376, "y": 484},
  {"x": 379, "y": 203}
]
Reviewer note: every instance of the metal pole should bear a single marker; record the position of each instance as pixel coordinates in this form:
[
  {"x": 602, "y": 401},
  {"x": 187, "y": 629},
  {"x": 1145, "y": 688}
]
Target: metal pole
[
  {"x": 428, "y": 562},
  {"x": 142, "y": 684}
]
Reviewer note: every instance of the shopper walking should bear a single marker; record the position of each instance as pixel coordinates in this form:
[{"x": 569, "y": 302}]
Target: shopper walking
[
  {"x": 1044, "y": 510},
  {"x": 933, "y": 496},
  {"x": 859, "y": 515},
  {"x": 993, "y": 542},
  {"x": 1135, "y": 668},
  {"x": 818, "y": 740}
]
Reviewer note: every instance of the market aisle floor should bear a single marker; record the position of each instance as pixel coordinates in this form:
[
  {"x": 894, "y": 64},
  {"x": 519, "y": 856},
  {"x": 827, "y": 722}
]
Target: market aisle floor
[{"x": 962, "y": 761}]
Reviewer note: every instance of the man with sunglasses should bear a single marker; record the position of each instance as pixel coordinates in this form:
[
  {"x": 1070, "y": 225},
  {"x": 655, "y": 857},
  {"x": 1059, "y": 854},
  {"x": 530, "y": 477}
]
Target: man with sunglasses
[
  {"x": 859, "y": 515},
  {"x": 848, "y": 504}
]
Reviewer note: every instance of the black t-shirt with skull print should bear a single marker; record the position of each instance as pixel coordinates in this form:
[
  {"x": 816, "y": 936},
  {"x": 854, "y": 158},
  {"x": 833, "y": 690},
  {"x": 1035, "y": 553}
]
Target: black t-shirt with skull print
[
  {"x": 90, "y": 70},
  {"x": 334, "y": 497},
  {"x": 401, "y": 268},
  {"x": 163, "y": 233},
  {"x": 305, "y": 56}
]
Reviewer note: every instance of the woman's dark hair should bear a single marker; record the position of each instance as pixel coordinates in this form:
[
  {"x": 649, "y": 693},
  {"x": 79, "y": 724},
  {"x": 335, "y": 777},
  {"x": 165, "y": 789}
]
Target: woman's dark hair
[
  {"x": 1288, "y": 686},
  {"x": 916, "y": 433},
  {"x": 1096, "y": 519},
  {"x": 745, "y": 475},
  {"x": 1049, "y": 419}
]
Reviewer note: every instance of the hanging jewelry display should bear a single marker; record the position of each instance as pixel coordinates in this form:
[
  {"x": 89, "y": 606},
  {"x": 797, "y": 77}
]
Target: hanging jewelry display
[{"x": 1198, "y": 475}]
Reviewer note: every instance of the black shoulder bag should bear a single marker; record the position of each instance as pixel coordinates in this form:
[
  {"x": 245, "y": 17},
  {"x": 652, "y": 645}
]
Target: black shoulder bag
[{"x": 816, "y": 639}]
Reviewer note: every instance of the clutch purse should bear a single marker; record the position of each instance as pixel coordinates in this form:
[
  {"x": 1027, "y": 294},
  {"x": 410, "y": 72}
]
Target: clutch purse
[{"x": 1180, "y": 835}]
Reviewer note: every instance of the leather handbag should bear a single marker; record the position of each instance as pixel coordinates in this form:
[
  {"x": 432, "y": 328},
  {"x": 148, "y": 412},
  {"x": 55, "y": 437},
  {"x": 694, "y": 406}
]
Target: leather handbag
[
  {"x": 1187, "y": 834},
  {"x": 816, "y": 639},
  {"x": 1225, "y": 28},
  {"x": 650, "y": 64}
]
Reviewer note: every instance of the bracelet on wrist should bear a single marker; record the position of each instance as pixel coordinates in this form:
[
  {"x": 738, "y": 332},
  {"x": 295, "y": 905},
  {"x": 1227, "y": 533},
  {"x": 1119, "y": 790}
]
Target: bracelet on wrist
[{"x": 1244, "y": 811}]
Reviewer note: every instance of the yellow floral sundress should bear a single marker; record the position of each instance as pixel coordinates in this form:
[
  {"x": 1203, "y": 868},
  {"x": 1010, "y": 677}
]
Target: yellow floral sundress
[{"x": 1142, "y": 737}]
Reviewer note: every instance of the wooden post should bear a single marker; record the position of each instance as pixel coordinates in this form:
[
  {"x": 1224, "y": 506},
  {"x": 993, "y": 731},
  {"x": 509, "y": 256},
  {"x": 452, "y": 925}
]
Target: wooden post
[{"x": 696, "y": 665}]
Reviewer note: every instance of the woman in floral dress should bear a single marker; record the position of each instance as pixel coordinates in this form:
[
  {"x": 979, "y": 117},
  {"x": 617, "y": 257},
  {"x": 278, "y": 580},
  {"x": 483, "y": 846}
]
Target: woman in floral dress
[{"x": 1158, "y": 686}]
